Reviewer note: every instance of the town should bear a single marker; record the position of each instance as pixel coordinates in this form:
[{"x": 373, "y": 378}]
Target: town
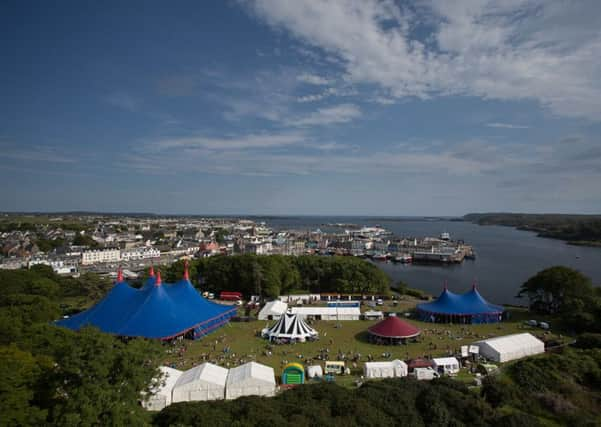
[{"x": 71, "y": 244}]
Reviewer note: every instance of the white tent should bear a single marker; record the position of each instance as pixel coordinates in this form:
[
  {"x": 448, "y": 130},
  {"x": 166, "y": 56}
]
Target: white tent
[
  {"x": 510, "y": 347},
  {"x": 160, "y": 396},
  {"x": 250, "y": 379},
  {"x": 203, "y": 382},
  {"x": 273, "y": 310},
  {"x": 373, "y": 315},
  {"x": 314, "y": 371},
  {"x": 391, "y": 369},
  {"x": 328, "y": 313},
  {"x": 290, "y": 327},
  {"x": 446, "y": 365}
]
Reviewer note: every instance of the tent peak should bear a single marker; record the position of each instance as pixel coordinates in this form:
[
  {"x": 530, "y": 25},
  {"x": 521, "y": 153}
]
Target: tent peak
[
  {"x": 186, "y": 272},
  {"x": 151, "y": 271},
  {"x": 158, "y": 281},
  {"x": 119, "y": 275}
]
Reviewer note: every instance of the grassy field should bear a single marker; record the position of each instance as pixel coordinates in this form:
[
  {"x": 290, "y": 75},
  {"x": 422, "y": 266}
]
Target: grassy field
[{"x": 239, "y": 342}]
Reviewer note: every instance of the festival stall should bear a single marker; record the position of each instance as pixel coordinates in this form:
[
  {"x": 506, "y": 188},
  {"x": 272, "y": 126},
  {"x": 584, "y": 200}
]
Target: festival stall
[
  {"x": 250, "y": 379},
  {"x": 388, "y": 369},
  {"x": 203, "y": 382},
  {"x": 510, "y": 347}
]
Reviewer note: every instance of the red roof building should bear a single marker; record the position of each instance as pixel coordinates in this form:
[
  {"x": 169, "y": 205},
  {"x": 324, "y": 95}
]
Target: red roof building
[{"x": 392, "y": 329}]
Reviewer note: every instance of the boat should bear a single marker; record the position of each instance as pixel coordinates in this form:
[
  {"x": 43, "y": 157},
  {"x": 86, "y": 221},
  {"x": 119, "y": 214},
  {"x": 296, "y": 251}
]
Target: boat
[
  {"x": 445, "y": 236},
  {"x": 404, "y": 258},
  {"x": 380, "y": 257}
]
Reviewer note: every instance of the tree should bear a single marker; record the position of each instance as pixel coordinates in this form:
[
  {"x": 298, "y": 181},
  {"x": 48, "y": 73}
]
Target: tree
[
  {"x": 20, "y": 372},
  {"x": 567, "y": 293},
  {"x": 557, "y": 289},
  {"x": 97, "y": 379}
]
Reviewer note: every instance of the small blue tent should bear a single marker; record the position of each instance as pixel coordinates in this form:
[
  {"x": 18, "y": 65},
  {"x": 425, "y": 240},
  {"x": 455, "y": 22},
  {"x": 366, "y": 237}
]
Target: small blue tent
[
  {"x": 469, "y": 307},
  {"x": 157, "y": 310}
]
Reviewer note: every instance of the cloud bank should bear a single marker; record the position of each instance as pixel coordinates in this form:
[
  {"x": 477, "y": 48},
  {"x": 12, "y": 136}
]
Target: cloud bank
[{"x": 546, "y": 51}]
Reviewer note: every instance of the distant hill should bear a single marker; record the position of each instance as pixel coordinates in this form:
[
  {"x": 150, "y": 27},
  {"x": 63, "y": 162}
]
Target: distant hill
[{"x": 575, "y": 229}]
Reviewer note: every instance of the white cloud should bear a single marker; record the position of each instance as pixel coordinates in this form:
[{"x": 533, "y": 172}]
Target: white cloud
[
  {"x": 245, "y": 142},
  {"x": 328, "y": 115},
  {"x": 313, "y": 79},
  {"x": 36, "y": 153},
  {"x": 506, "y": 126},
  {"x": 511, "y": 50}
]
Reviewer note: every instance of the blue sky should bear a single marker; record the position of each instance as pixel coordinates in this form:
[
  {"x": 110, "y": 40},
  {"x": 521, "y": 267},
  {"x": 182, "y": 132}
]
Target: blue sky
[{"x": 301, "y": 107}]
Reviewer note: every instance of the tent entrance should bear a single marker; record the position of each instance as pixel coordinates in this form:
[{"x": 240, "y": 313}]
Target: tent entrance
[{"x": 294, "y": 379}]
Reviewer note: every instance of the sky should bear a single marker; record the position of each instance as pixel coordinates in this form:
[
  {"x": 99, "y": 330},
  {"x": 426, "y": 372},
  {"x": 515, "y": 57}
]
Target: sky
[{"x": 301, "y": 107}]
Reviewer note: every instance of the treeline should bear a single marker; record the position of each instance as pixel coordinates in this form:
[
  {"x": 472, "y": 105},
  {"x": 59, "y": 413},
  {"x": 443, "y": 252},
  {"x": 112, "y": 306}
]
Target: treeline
[
  {"x": 564, "y": 388},
  {"x": 275, "y": 275},
  {"x": 391, "y": 402},
  {"x": 54, "y": 376},
  {"x": 572, "y": 228}
]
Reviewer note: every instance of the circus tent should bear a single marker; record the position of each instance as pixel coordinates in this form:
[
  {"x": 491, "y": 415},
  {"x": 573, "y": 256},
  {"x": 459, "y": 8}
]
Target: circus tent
[
  {"x": 157, "y": 310},
  {"x": 392, "y": 329},
  {"x": 290, "y": 327},
  {"x": 469, "y": 307}
]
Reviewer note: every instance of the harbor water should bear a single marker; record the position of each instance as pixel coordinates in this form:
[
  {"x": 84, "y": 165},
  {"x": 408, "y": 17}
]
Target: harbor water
[{"x": 505, "y": 257}]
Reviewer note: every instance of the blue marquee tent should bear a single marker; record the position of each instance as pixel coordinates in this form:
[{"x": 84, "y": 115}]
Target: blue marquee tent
[
  {"x": 157, "y": 310},
  {"x": 469, "y": 307}
]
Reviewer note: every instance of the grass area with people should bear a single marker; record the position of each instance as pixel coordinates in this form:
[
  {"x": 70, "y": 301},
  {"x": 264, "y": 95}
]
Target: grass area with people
[{"x": 240, "y": 342}]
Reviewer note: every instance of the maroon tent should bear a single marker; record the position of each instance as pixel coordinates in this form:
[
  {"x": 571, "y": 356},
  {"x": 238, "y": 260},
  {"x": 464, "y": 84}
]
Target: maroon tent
[{"x": 393, "y": 328}]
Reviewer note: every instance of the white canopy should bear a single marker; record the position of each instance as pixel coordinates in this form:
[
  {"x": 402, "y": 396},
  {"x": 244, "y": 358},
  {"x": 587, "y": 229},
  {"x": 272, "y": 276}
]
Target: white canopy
[
  {"x": 160, "y": 396},
  {"x": 273, "y": 310},
  {"x": 371, "y": 314},
  {"x": 328, "y": 313},
  {"x": 314, "y": 371},
  {"x": 448, "y": 365},
  {"x": 291, "y": 327},
  {"x": 390, "y": 369},
  {"x": 250, "y": 379},
  {"x": 510, "y": 347},
  {"x": 203, "y": 382}
]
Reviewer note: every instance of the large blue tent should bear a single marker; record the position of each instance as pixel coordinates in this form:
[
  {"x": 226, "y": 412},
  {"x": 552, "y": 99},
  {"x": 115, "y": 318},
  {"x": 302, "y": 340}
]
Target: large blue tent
[
  {"x": 157, "y": 310},
  {"x": 469, "y": 307}
]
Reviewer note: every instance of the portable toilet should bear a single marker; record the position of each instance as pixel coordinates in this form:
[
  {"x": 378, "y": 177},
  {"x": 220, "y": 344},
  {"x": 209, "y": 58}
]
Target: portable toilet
[{"x": 293, "y": 373}]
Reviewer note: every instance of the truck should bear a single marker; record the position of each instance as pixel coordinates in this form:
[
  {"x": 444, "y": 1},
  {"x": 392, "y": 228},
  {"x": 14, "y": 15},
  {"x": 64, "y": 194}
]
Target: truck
[{"x": 230, "y": 296}]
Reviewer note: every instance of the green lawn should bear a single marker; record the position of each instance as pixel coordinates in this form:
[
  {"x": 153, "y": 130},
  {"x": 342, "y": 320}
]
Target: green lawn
[{"x": 244, "y": 344}]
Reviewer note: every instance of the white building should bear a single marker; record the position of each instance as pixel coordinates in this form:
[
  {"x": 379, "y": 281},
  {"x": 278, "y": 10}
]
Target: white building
[
  {"x": 140, "y": 253},
  {"x": 203, "y": 382},
  {"x": 273, "y": 310},
  {"x": 250, "y": 379},
  {"x": 510, "y": 347},
  {"x": 389, "y": 369},
  {"x": 58, "y": 266},
  {"x": 95, "y": 256},
  {"x": 446, "y": 365},
  {"x": 160, "y": 396},
  {"x": 258, "y": 248},
  {"x": 328, "y": 313}
]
